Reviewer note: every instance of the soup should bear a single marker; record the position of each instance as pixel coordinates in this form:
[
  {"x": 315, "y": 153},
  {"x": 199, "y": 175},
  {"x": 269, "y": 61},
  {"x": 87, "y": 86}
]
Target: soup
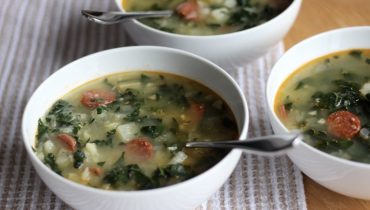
[
  {"x": 208, "y": 17},
  {"x": 127, "y": 131},
  {"x": 329, "y": 100}
]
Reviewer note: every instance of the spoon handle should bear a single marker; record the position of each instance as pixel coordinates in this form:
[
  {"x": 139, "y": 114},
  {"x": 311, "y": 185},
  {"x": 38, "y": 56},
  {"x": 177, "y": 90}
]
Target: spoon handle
[
  {"x": 264, "y": 144},
  {"x": 113, "y": 17}
]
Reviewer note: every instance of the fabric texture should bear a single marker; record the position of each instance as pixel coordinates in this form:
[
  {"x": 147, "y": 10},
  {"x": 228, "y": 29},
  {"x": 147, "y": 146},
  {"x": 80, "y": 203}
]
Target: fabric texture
[{"x": 40, "y": 36}]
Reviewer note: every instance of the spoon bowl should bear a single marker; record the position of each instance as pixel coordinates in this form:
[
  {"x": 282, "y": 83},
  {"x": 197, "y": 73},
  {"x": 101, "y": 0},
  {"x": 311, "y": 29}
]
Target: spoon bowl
[
  {"x": 264, "y": 145},
  {"x": 114, "y": 17}
]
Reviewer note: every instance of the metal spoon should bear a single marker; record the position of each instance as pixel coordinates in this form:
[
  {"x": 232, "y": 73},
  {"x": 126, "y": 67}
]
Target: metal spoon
[
  {"x": 274, "y": 144},
  {"x": 107, "y": 18}
]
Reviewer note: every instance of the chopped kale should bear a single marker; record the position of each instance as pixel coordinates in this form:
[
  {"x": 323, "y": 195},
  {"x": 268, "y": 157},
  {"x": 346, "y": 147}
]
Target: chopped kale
[
  {"x": 109, "y": 84},
  {"x": 151, "y": 127},
  {"x": 100, "y": 109},
  {"x": 356, "y": 54},
  {"x": 178, "y": 171},
  {"x": 243, "y": 2},
  {"x": 135, "y": 114},
  {"x": 79, "y": 158},
  {"x": 175, "y": 94},
  {"x": 142, "y": 181},
  {"x": 123, "y": 174},
  {"x": 100, "y": 163},
  {"x": 248, "y": 15},
  {"x": 152, "y": 131},
  {"x": 117, "y": 174},
  {"x": 299, "y": 85},
  {"x": 327, "y": 143},
  {"x": 41, "y": 130},
  {"x": 62, "y": 111},
  {"x": 288, "y": 106},
  {"x": 144, "y": 78},
  {"x": 49, "y": 160},
  {"x": 345, "y": 96}
]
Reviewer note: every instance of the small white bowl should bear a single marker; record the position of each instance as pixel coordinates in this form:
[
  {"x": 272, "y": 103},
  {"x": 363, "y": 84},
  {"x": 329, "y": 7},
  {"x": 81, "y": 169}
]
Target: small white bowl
[
  {"x": 340, "y": 175},
  {"x": 227, "y": 50},
  {"x": 185, "y": 195}
]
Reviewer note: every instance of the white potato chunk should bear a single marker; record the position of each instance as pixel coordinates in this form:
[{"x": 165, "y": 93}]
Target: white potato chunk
[
  {"x": 127, "y": 131},
  {"x": 92, "y": 154},
  {"x": 91, "y": 148},
  {"x": 129, "y": 84},
  {"x": 74, "y": 177},
  {"x": 178, "y": 158},
  {"x": 365, "y": 89},
  {"x": 230, "y": 3},
  {"x": 86, "y": 176},
  {"x": 220, "y": 15},
  {"x": 49, "y": 147},
  {"x": 64, "y": 159}
]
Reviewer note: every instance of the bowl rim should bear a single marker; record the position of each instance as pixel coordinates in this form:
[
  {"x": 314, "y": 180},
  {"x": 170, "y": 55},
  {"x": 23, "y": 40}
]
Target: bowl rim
[
  {"x": 270, "y": 95},
  {"x": 233, "y": 153},
  {"x": 295, "y": 3}
]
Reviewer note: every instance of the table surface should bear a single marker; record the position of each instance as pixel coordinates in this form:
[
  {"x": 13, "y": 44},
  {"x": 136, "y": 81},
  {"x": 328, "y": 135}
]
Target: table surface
[{"x": 317, "y": 16}]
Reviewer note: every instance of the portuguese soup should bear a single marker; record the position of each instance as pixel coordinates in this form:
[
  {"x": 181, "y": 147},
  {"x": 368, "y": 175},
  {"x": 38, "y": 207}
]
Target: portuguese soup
[
  {"x": 208, "y": 17},
  {"x": 127, "y": 131},
  {"x": 329, "y": 99}
]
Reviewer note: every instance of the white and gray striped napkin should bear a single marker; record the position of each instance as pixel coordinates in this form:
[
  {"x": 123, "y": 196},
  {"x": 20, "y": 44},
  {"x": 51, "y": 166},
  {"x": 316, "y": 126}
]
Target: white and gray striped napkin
[{"x": 37, "y": 37}]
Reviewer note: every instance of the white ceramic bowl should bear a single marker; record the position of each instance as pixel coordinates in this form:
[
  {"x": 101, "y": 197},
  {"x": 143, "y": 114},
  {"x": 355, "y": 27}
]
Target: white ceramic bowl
[
  {"x": 185, "y": 195},
  {"x": 340, "y": 175},
  {"x": 227, "y": 50}
]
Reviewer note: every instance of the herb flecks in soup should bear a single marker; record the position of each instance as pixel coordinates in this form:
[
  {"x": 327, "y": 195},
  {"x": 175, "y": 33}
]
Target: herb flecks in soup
[
  {"x": 208, "y": 17},
  {"x": 128, "y": 131},
  {"x": 329, "y": 99}
]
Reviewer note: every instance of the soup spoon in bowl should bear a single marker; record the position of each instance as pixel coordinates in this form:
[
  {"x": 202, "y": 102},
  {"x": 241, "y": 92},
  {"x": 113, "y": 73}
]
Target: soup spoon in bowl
[
  {"x": 113, "y": 17},
  {"x": 265, "y": 145}
]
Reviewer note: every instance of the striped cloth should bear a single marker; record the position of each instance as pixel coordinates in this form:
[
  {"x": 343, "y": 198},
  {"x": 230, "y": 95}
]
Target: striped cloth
[{"x": 37, "y": 37}]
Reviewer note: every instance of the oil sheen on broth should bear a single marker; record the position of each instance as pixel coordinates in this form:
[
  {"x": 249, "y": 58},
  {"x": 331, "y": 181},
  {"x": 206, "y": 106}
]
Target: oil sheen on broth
[
  {"x": 127, "y": 131},
  {"x": 329, "y": 99},
  {"x": 208, "y": 17}
]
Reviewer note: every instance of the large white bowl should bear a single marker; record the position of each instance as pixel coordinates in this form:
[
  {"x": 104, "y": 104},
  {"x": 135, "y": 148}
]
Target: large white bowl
[
  {"x": 185, "y": 195},
  {"x": 340, "y": 175},
  {"x": 226, "y": 50}
]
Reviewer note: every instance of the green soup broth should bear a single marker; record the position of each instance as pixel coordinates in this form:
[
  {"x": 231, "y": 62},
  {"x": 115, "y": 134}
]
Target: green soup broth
[
  {"x": 127, "y": 131},
  {"x": 329, "y": 100},
  {"x": 208, "y": 17}
]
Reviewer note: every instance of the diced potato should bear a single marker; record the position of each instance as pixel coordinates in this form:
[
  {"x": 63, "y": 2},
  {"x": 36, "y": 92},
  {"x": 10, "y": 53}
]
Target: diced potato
[
  {"x": 365, "y": 89},
  {"x": 127, "y": 131},
  {"x": 220, "y": 15},
  {"x": 49, "y": 147},
  {"x": 129, "y": 84},
  {"x": 230, "y": 3},
  {"x": 111, "y": 126},
  {"x": 86, "y": 134},
  {"x": 91, "y": 153},
  {"x": 178, "y": 158},
  {"x": 86, "y": 176},
  {"x": 68, "y": 129},
  {"x": 64, "y": 159},
  {"x": 74, "y": 177}
]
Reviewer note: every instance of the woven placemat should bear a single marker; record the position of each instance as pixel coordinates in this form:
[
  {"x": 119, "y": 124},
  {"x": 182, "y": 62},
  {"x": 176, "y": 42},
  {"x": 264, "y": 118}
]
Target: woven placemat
[{"x": 38, "y": 37}]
